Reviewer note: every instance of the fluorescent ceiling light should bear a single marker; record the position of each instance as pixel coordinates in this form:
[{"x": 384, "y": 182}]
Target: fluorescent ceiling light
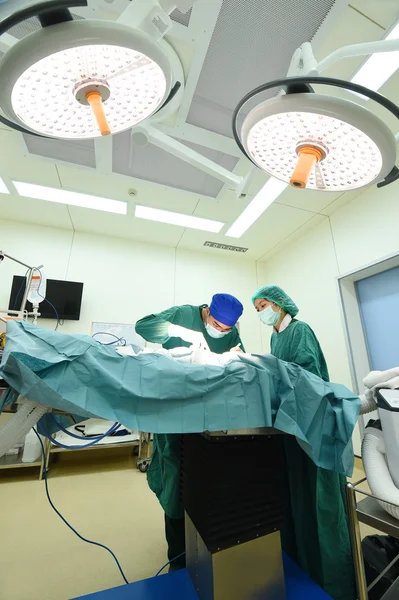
[
  {"x": 379, "y": 67},
  {"x": 39, "y": 192},
  {"x": 263, "y": 199},
  {"x": 172, "y": 218},
  {"x": 3, "y": 188}
]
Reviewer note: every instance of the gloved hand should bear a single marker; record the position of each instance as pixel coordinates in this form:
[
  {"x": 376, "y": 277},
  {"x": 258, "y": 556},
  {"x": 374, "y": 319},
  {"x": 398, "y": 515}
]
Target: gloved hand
[
  {"x": 236, "y": 349},
  {"x": 375, "y": 381},
  {"x": 195, "y": 338}
]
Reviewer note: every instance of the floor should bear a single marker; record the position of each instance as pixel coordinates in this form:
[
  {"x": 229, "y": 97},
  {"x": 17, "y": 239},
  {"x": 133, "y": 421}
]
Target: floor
[{"x": 106, "y": 499}]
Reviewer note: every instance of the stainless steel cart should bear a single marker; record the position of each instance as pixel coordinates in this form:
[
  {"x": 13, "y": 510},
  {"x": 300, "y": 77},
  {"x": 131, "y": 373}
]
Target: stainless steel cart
[{"x": 370, "y": 512}]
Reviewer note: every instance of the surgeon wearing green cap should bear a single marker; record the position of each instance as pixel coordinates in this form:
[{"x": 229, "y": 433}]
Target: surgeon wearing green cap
[{"x": 316, "y": 532}]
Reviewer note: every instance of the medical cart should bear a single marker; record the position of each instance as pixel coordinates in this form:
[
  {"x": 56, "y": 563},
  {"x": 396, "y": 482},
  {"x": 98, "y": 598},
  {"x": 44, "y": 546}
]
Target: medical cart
[{"x": 370, "y": 512}]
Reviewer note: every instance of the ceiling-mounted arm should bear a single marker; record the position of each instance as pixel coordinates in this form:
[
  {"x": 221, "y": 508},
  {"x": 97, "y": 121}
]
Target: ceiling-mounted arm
[
  {"x": 146, "y": 133},
  {"x": 358, "y": 50},
  {"x": 303, "y": 62},
  {"x": 152, "y": 16}
]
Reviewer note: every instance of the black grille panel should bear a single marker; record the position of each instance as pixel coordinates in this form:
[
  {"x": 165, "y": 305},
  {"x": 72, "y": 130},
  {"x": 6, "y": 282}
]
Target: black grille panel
[{"x": 233, "y": 487}]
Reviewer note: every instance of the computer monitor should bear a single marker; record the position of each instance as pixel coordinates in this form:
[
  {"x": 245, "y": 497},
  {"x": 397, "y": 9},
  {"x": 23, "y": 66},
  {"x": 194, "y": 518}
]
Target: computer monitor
[{"x": 65, "y": 296}]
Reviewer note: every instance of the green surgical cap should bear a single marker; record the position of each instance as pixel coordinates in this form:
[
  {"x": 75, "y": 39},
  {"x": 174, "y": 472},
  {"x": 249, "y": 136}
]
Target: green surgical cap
[{"x": 275, "y": 294}]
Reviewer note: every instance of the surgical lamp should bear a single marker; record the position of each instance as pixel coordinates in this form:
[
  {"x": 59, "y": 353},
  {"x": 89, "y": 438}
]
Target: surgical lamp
[
  {"x": 80, "y": 79},
  {"x": 317, "y": 141},
  {"x": 83, "y": 79}
]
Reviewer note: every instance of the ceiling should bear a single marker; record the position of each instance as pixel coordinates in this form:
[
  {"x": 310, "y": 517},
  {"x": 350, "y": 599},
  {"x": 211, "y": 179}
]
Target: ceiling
[{"x": 227, "y": 47}]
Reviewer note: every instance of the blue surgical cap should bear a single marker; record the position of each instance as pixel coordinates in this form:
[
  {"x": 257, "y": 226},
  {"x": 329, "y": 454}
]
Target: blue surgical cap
[{"x": 226, "y": 309}]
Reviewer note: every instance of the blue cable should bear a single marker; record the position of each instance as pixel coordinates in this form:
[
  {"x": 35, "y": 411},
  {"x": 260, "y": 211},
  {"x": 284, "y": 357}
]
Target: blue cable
[
  {"x": 66, "y": 522},
  {"x": 43, "y": 431},
  {"x": 117, "y": 339},
  {"x": 82, "y": 437},
  {"x": 168, "y": 563}
]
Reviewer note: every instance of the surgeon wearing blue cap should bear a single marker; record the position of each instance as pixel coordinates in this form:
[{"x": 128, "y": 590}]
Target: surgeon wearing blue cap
[{"x": 211, "y": 327}]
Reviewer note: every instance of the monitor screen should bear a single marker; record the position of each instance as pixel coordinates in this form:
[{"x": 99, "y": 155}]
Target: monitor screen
[{"x": 65, "y": 296}]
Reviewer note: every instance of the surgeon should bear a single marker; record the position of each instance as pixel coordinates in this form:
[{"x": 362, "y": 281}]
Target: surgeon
[
  {"x": 316, "y": 531},
  {"x": 210, "y": 327}
]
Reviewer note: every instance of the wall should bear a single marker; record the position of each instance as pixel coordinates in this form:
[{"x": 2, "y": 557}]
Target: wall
[
  {"x": 361, "y": 232},
  {"x": 123, "y": 280}
]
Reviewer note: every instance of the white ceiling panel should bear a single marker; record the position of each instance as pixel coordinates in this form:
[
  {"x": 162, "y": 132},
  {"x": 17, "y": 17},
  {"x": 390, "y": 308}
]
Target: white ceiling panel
[
  {"x": 117, "y": 188},
  {"x": 383, "y": 11},
  {"x": 342, "y": 200},
  {"x": 121, "y": 226},
  {"x": 309, "y": 200},
  {"x": 274, "y": 225},
  {"x": 124, "y": 226},
  {"x": 26, "y": 210},
  {"x": 354, "y": 28},
  {"x": 315, "y": 220}
]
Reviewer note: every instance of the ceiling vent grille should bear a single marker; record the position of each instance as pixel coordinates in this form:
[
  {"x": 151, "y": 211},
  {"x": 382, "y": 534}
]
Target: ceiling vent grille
[
  {"x": 225, "y": 247},
  {"x": 182, "y": 18},
  {"x": 30, "y": 26}
]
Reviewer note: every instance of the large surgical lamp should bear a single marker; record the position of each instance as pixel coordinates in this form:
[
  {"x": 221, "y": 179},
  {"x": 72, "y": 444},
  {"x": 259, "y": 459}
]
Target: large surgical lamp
[
  {"x": 317, "y": 141},
  {"x": 80, "y": 79}
]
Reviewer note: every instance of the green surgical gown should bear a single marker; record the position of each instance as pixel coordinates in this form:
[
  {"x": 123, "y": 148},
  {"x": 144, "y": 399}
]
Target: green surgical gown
[
  {"x": 164, "y": 471},
  {"x": 316, "y": 531}
]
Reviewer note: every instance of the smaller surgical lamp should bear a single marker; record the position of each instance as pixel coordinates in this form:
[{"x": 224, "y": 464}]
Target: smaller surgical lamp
[{"x": 317, "y": 141}]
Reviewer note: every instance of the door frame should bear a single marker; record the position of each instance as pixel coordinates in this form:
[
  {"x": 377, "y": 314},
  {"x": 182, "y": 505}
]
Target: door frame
[{"x": 355, "y": 337}]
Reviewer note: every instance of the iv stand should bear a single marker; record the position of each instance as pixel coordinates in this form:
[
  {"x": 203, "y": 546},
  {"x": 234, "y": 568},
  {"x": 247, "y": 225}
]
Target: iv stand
[{"x": 29, "y": 278}]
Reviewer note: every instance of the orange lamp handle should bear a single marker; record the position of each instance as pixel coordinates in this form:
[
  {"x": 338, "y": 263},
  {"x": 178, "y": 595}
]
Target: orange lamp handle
[
  {"x": 96, "y": 103},
  {"x": 308, "y": 156}
]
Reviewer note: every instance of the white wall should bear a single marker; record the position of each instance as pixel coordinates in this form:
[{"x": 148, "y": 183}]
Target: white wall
[
  {"x": 361, "y": 232},
  {"x": 123, "y": 280}
]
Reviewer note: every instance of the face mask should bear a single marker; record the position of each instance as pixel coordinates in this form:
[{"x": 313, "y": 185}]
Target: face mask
[
  {"x": 269, "y": 317},
  {"x": 215, "y": 333}
]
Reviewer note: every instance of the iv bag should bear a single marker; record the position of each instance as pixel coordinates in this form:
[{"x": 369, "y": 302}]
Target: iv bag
[{"x": 37, "y": 289}]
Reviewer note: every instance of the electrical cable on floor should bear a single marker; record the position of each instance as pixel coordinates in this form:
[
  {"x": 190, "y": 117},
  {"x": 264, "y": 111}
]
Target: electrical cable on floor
[
  {"x": 111, "y": 430},
  {"x": 43, "y": 431},
  {"x": 168, "y": 563},
  {"x": 66, "y": 522}
]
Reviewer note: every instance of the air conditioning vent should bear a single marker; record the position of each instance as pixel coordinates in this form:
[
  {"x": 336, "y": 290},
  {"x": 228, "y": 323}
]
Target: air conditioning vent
[{"x": 225, "y": 247}]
